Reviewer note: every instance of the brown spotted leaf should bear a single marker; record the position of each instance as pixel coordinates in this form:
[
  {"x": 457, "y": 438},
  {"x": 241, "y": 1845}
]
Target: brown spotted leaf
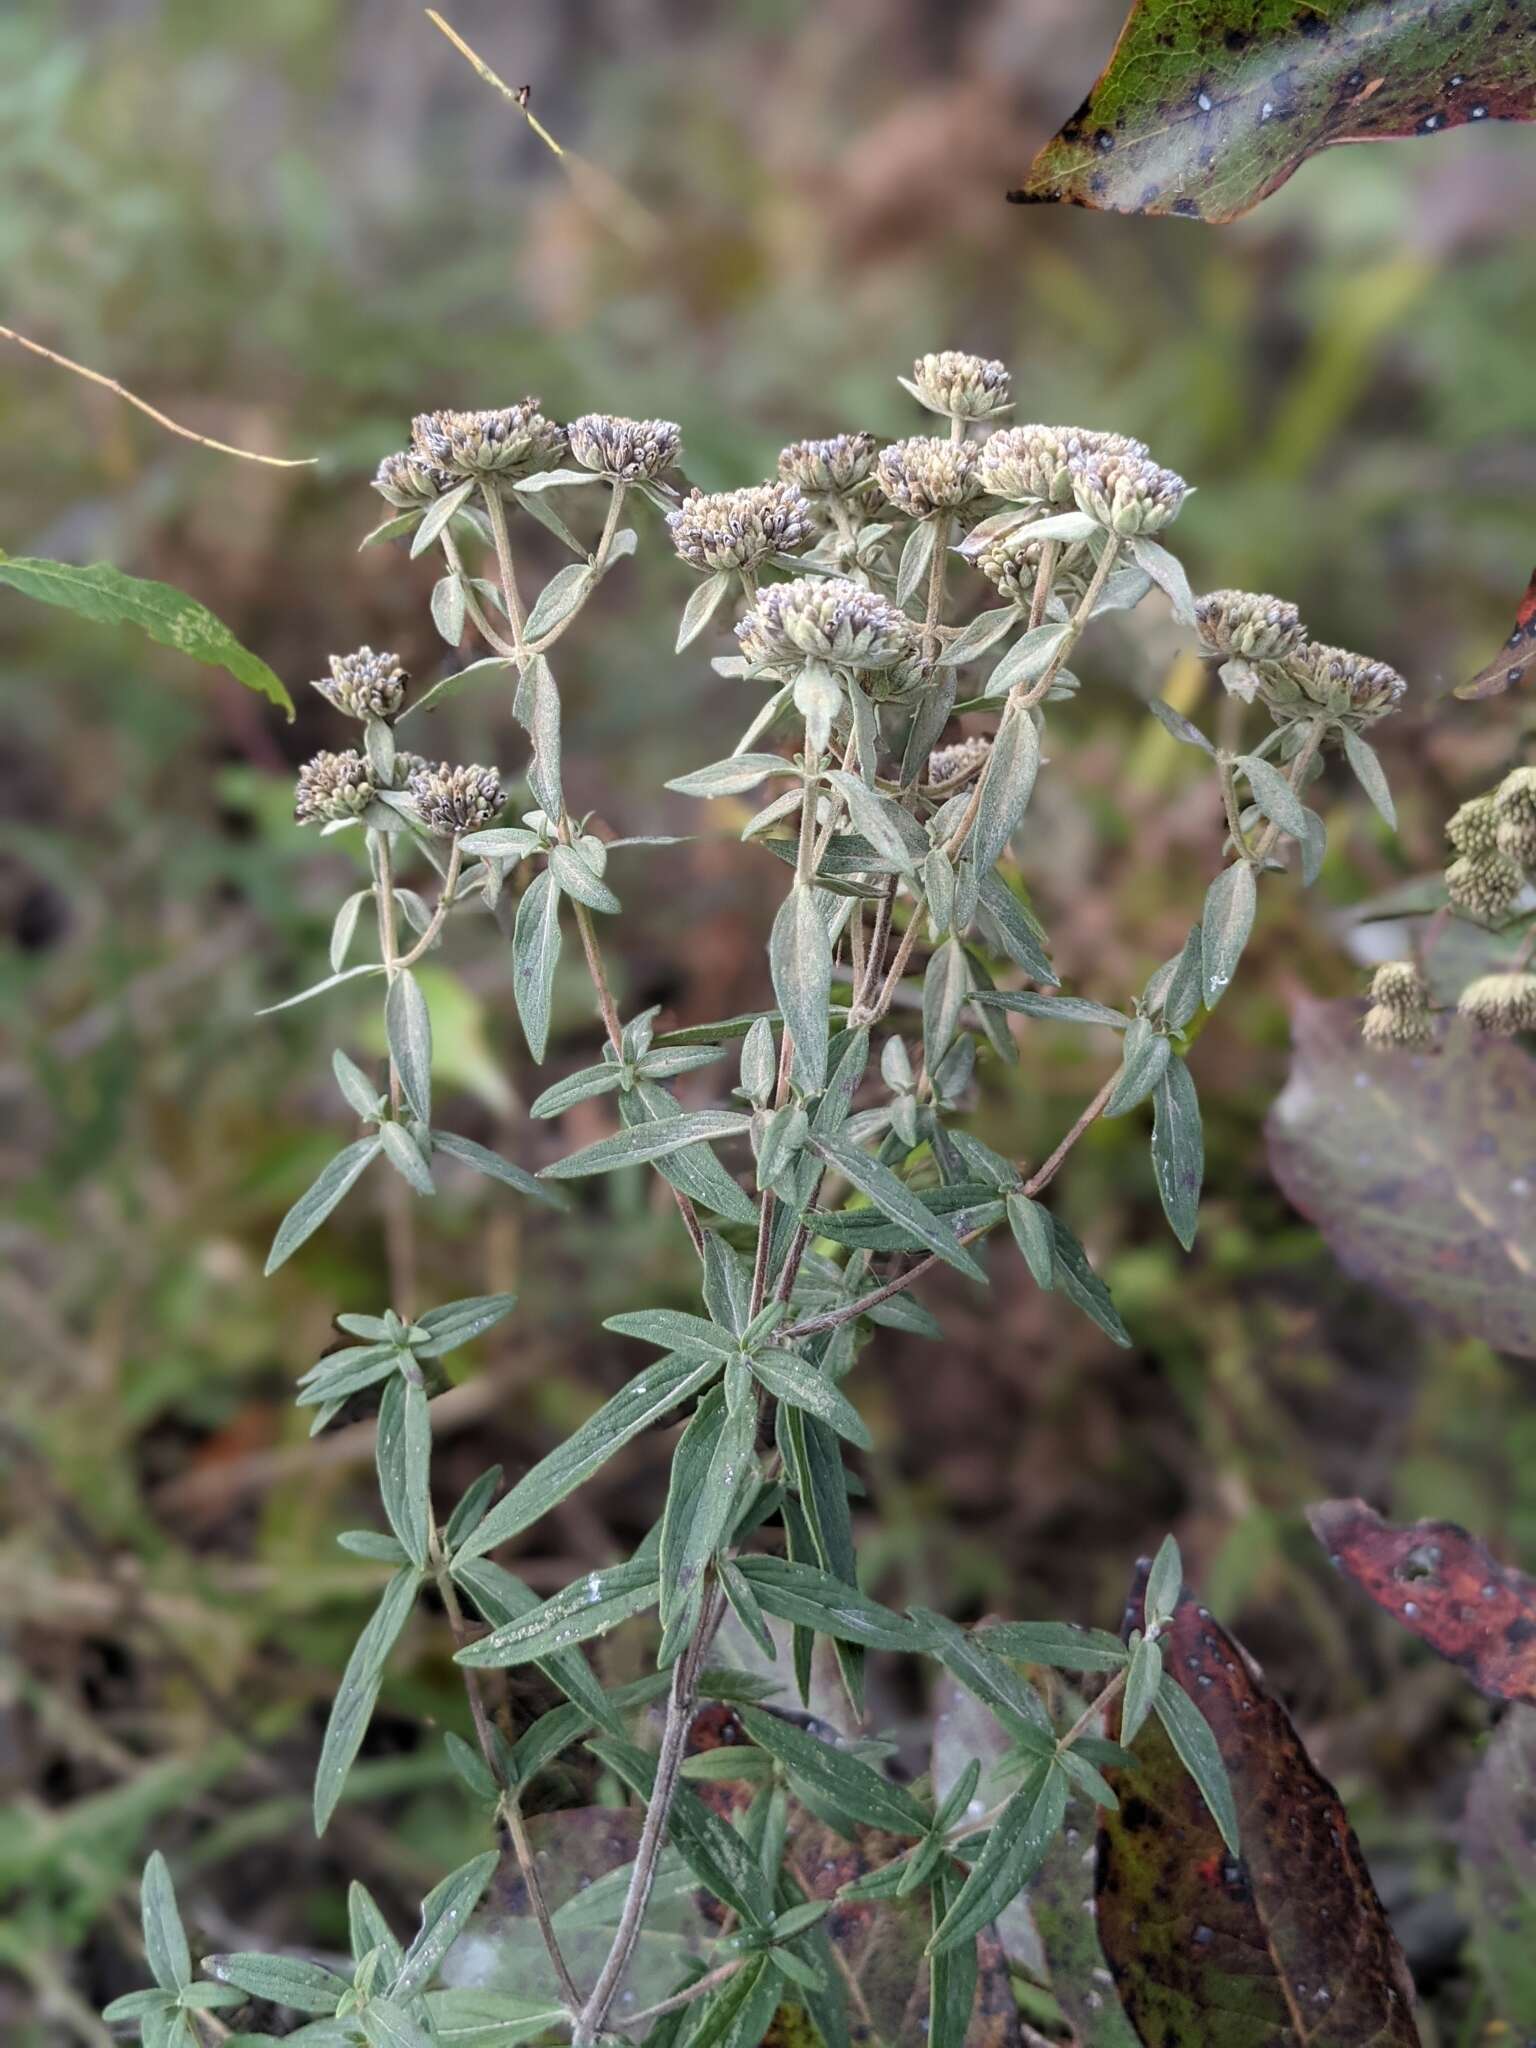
[
  {"x": 1208, "y": 105},
  {"x": 1287, "y": 1945},
  {"x": 1445, "y": 1586},
  {"x": 1498, "y": 1841},
  {"x": 1419, "y": 1169}
]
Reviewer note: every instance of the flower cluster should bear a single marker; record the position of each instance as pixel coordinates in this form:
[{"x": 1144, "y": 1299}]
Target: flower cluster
[
  {"x": 625, "y": 449},
  {"x": 740, "y": 529},
  {"x": 839, "y": 466},
  {"x": 364, "y": 685},
  {"x": 1267, "y": 655},
  {"x": 825, "y": 618},
  {"x": 496, "y": 446},
  {"x": 959, "y": 761},
  {"x": 1494, "y": 837},
  {"x": 1501, "y": 1003},
  {"x": 962, "y": 387},
  {"x": 926, "y": 475},
  {"x": 1399, "y": 1014},
  {"x": 1248, "y": 626},
  {"x": 1035, "y": 465},
  {"x": 453, "y": 800},
  {"x": 333, "y": 789},
  {"x": 1128, "y": 493}
]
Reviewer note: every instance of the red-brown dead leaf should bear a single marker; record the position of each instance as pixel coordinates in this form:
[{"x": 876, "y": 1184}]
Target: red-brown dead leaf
[{"x": 1444, "y": 1585}]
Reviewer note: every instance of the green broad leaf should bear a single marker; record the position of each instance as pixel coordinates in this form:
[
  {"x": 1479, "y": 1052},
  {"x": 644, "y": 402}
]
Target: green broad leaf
[
  {"x": 577, "y": 880},
  {"x": 650, "y": 1141},
  {"x": 1015, "y": 1848},
  {"x": 732, "y": 776},
  {"x": 1181, "y": 996},
  {"x": 650, "y": 1395},
  {"x": 724, "y": 1031},
  {"x": 352, "y": 1709},
  {"x": 839, "y": 1779},
  {"x": 1054, "y": 1643},
  {"x": 1082, "y": 1286},
  {"x": 709, "y": 1468},
  {"x": 319, "y": 988},
  {"x": 388, "y": 2025},
  {"x": 952, "y": 1970},
  {"x": 800, "y": 961},
  {"x": 665, "y": 1064},
  {"x": 740, "y": 2013},
  {"x": 1143, "y": 1063},
  {"x": 701, "y": 607},
  {"x": 494, "y": 1167},
  {"x": 281, "y": 1980},
  {"x": 435, "y": 519},
  {"x": 460, "y": 1322},
  {"x": 535, "y": 954},
  {"x": 404, "y": 1453},
  {"x": 971, "y": 1659},
  {"x": 1230, "y": 903},
  {"x": 564, "y": 1095},
  {"x": 971, "y": 1204},
  {"x": 1031, "y": 1227},
  {"x": 1053, "y": 1009},
  {"x": 671, "y": 1330},
  {"x": 1196, "y": 1747},
  {"x": 916, "y": 557},
  {"x": 404, "y": 1155},
  {"x": 501, "y": 1598},
  {"x": 444, "y": 1913},
  {"x": 408, "y": 1030},
  {"x": 1007, "y": 783},
  {"x": 165, "y": 1941},
  {"x": 947, "y": 983},
  {"x": 448, "y": 607},
  {"x": 745, "y": 1606},
  {"x": 813, "y": 1599},
  {"x": 1274, "y": 795},
  {"x": 320, "y": 1198},
  {"x": 1369, "y": 773},
  {"x": 717, "y": 1855},
  {"x": 1178, "y": 1149},
  {"x": 788, "y": 1377},
  {"x": 895, "y": 1200},
  {"x": 590, "y": 1607},
  {"x": 168, "y": 616}
]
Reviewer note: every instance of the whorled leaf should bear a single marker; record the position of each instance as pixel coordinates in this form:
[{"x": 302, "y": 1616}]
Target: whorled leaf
[
  {"x": 1445, "y": 1586},
  {"x": 1282, "y": 1945},
  {"x": 1207, "y": 106},
  {"x": 1417, "y": 1169}
]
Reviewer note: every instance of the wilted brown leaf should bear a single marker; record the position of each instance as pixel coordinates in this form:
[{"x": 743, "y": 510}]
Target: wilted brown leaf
[
  {"x": 1419, "y": 1169},
  {"x": 1284, "y": 1947},
  {"x": 1445, "y": 1586}
]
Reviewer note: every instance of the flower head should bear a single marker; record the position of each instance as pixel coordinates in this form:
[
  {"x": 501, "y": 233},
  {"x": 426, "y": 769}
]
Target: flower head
[
  {"x": 1011, "y": 563},
  {"x": 1474, "y": 829},
  {"x": 1505, "y": 1003},
  {"x": 961, "y": 386},
  {"x": 624, "y": 448},
  {"x": 959, "y": 760},
  {"x": 1514, "y": 807},
  {"x": 1352, "y": 685},
  {"x": 364, "y": 684},
  {"x": 1382, "y": 1027},
  {"x": 825, "y": 618},
  {"x": 1249, "y": 626},
  {"x": 1032, "y": 465},
  {"x": 499, "y": 445},
  {"x": 1129, "y": 494},
  {"x": 332, "y": 787},
  {"x": 1485, "y": 885},
  {"x": 926, "y": 474},
  {"x": 836, "y": 467},
  {"x": 408, "y": 480},
  {"x": 1398, "y": 985},
  {"x": 738, "y": 529},
  {"x": 455, "y": 800}
]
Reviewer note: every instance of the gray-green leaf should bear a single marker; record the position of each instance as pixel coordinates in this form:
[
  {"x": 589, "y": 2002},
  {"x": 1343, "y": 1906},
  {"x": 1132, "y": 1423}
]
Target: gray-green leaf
[
  {"x": 165, "y": 1941},
  {"x": 1227, "y": 920},
  {"x": 353, "y": 1707},
  {"x": 320, "y": 1198},
  {"x": 535, "y": 951},
  {"x": 408, "y": 1027},
  {"x": 800, "y": 960},
  {"x": 1178, "y": 1149}
]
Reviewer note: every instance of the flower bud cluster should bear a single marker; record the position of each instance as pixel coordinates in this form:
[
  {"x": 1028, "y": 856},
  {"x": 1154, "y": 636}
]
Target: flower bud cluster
[
  {"x": 963, "y": 387},
  {"x": 840, "y": 466},
  {"x": 1514, "y": 809},
  {"x": 1248, "y": 625},
  {"x": 960, "y": 760},
  {"x": 740, "y": 529},
  {"x": 453, "y": 800},
  {"x": 1266, "y": 655},
  {"x": 825, "y": 619},
  {"x": 1502, "y": 1003},
  {"x": 926, "y": 474},
  {"x": 495, "y": 446},
  {"x": 624, "y": 449},
  {"x": 1130, "y": 494},
  {"x": 332, "y": 789},
  {"x": 1036, "y": 465},
  {"x": 1399, "y": 1013},
  {"x": 364, "y": 685},
  {"x": 1011, "y": 563}
]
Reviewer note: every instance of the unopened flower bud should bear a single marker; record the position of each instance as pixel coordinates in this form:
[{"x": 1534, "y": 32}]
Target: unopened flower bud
[
  {"x": 1350, "y": 684},
  {"x": 826, "y": 618},
  {"x": 1473, "y": 830},
  {"x": 925, "y": 475},
  {"x": 407, "y": 480},
  {"x": 1504, "y": 1003},
  {"x": 1248, "y": 625},
  {"x": 454, "y": 800},
  {"x": 1012, "y": 564},
  {"x": 364, "y": 684},
  {"x": 963, "y": 387},
  {"x": 1483, "y": 884},
  {"x": 1032, "y": 465},
  {"x": 836, "y": 467},
  {"x": 495, "y": 446},
  {"x": 959, "y": 760},
  {"x": 1398, "y": 985},
  {"x": 1515, "y": 797},
  {"x": 1129, "y": 494},
  {"x": 624, "y": 448},
  {"x": 332, "y": 787},
  {"x": 1383, "y": 1028},
  {"x": 739, "y": 529}
]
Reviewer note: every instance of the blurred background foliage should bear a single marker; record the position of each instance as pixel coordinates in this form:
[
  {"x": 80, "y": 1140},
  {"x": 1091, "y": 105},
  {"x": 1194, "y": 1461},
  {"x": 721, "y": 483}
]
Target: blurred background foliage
[{"x": 293, "y": 225}]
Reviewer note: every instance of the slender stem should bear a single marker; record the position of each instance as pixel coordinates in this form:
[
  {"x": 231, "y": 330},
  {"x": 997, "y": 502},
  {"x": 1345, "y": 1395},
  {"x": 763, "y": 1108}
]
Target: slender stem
[
  {"x": 1045, "y": 576},
  {"x": 1305, "y": 755},
  {"x": 472, "y": 605},
  {"x": 496, "y": 513},
  {"x": 399, "y": 1213},
  {"x": 722, "y": 1975},
  {"x": 1226, "y": 770},
  {"x": 440, "y": 910}
]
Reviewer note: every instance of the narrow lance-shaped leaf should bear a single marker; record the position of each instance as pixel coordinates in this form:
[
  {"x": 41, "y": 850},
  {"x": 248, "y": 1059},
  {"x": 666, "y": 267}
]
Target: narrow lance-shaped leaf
[
  {"x": 165, "y": 1941},
  {"x": 1015, "y": 1848},
  {"x": 535, "y": 954},
  {"x": 320, "y": 1198},
  {"x": 105, "y": 595},
  {"x": 589, "y": 1607},
  {"x": 800, "y": 961},
  {"x": 353, "y": 1706},
  {"x": 1230, "y": 903},
  {"x": 893, "y": 1198},
  {"x": 404, "y": 1450},
  {"x": 1178, "y": 1149},
  {"x": 408, "y": 1027}
]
